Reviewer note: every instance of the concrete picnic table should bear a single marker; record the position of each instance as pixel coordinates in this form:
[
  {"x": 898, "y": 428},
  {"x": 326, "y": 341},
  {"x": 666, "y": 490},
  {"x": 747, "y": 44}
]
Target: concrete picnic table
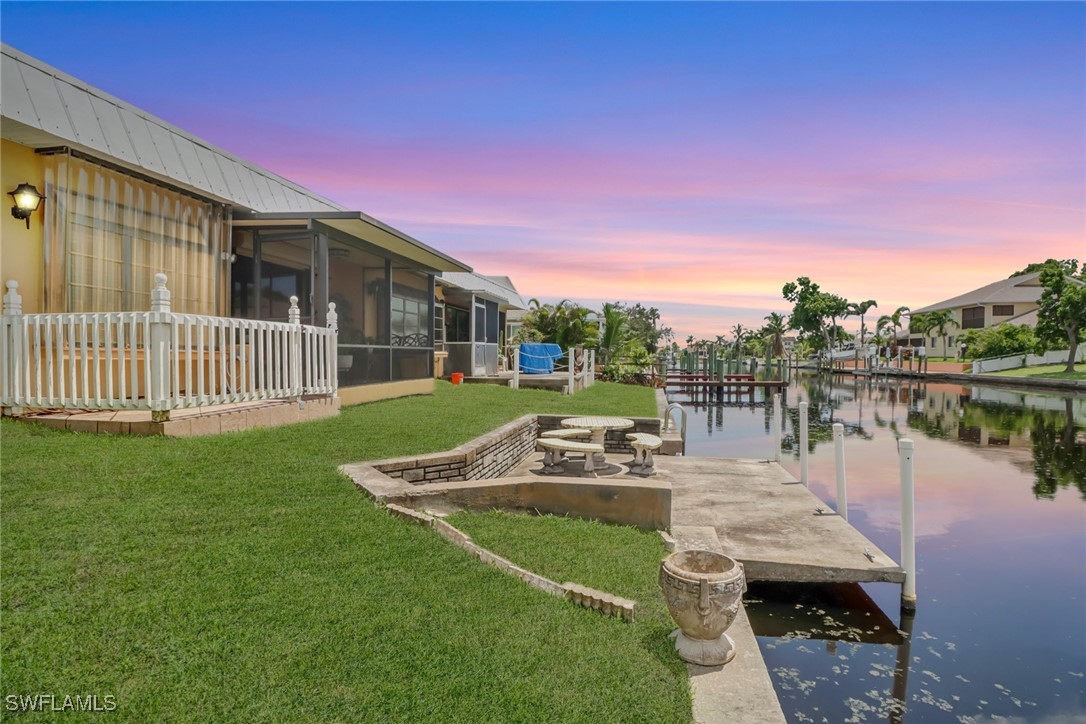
[{"x": 599, "y": 425}]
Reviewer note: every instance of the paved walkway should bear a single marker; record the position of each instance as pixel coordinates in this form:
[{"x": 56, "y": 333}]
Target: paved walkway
[{"x": 740, "y": 692}]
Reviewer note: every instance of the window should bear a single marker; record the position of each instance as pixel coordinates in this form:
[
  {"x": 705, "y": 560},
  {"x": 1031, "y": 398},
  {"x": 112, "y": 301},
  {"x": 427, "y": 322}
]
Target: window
[
  {"x": 457, "y": 324},
  {"x": 480, "y": 321},
  {"x": 949, "y": 342},
  {"x": 933, "y": 341},
  {"x": 410, "y": 309},
  {"x": 107, "y": 234},
  {"x": 1003, "y": 310},
  {"x": 973, "y": 318}
]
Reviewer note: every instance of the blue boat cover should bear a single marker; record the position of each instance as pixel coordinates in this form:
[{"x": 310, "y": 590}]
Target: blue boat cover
[{"x": 537, "y": 358}]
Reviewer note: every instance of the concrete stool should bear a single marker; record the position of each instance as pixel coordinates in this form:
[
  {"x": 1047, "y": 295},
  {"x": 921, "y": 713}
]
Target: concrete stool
[{"x": 643, "y": 444}]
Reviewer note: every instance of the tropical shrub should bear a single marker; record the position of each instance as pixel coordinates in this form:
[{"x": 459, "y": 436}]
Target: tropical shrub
[
  {"x": 1001, "y": 340},
  {"x": 633, "y": 368}
]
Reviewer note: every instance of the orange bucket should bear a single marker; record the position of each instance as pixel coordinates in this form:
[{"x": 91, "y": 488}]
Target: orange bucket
[{"x": 457, "y": 377}]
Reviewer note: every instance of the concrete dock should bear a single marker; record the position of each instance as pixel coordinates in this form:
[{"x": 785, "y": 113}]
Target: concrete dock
[{"x": 769, "y": 521}]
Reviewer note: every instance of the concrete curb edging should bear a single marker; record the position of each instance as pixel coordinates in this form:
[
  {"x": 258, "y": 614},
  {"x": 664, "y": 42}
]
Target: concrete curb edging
[{"x": 606, "y": 603}]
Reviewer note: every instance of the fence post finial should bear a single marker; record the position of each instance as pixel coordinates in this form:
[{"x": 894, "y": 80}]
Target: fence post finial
[
  {"x": 160, "y": 352},
  {"x": 294, "y": 315},
  {"x": 13, "y": 301},
  {"x": 160, "y": 295},
  {"x": 333, "y": 317}
]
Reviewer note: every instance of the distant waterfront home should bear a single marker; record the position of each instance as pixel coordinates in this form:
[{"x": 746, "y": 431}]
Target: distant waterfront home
[
  {"x": 126, "y": 195},
  {"x": 1007, "y": 301},
  {"x": 475, "y": 315}
]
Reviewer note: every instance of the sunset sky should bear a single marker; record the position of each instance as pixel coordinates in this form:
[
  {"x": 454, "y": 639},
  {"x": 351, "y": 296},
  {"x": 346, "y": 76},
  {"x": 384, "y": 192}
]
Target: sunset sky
[{"x": 694, "y": 157}]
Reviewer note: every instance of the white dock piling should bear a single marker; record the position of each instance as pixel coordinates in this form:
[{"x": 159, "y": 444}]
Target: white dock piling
[
  {"x": 777, "y": 427},
  {"x": 516, "y": 368},
  {"x": 839, "y": 458},
  {"x": 908, "y": 525},
  {"x": 803, "y": 444}
]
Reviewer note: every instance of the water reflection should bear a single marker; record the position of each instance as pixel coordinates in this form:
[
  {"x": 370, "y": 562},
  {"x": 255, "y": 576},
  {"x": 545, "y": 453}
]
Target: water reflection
[
  {"x": 1052, "y": 428},
  {"x": 1001, "y": 485}
]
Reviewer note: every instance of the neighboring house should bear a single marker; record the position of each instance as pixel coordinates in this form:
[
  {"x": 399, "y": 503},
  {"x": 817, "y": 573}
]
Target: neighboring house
[
  {"x": 127, "y": 195},
  {"x": 475, "y": 314},
  {"x": 1007, "y": 301}
]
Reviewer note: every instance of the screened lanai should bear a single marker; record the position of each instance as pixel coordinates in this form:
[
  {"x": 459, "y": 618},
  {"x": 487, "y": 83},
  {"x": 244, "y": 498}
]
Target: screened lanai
[{"x": 384, "y": 299}]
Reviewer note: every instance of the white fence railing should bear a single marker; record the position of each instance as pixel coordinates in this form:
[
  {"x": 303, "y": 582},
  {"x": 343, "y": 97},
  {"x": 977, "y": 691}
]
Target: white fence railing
[
  {"x": 578, "y": 366},
  {"x": 1014, "y": 361},
  {"x": 159, "y": 360}
]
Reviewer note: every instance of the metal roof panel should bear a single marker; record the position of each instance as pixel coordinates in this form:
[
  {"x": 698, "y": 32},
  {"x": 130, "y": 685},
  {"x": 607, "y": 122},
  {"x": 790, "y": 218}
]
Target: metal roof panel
[
  {"x": 142, "y": 142},
  {"x": 16, "y": 101},
  {"x": 229, "y": 172},
  {"x": 81, "y": 113},
  {"x": 113, "y": 130},
  {"x": 212, "y": 171},
  {"x": 48, "y": 104},
  {"x": 186, "y": 150},
  {"x": 267, "y": 193},
  {"x": 247, "y": 179},
  {"x": 171, "y": 159}
]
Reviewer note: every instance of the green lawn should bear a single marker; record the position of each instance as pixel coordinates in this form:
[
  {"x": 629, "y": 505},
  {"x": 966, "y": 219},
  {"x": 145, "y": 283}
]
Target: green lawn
[
  {"x": 1047, "y": 372},
  {"x": 241, "y": 577},
  {"x": 613, "y": 558}
]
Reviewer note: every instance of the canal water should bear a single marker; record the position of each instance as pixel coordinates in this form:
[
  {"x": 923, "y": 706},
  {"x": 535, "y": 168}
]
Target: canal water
[{"x": 1000, "y": 627}]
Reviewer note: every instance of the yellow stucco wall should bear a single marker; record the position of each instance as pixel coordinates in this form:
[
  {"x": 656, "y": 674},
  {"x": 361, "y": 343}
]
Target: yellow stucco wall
[
  {"x": 384, "y": 391},
  {"x": 21, "y": 251}
]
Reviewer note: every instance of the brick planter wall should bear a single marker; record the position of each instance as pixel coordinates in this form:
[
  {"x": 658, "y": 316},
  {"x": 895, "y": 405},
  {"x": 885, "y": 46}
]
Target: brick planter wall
[
  {"x": 489, "y": 456},
  {"x": 496, "y": 453}
]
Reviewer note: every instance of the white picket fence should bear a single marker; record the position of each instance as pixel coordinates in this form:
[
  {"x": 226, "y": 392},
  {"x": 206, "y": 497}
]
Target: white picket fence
[
  {"x": 159, "y": 360},
  {"x": 1014, "y": 361}
]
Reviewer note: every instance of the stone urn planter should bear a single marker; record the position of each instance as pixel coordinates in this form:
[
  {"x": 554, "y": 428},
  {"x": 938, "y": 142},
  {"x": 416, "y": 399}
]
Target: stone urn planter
[{"x": 703, "y": 591}]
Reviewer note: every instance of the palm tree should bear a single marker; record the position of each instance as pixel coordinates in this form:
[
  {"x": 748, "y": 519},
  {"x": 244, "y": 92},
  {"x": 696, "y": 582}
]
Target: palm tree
[
  {"x": 773, "y": 332},
  {"x": 892, "y": 323},
  {"x": 615, "y": 334},
  {"x": 859, "y": 309},
  {"x": 741, "y": 335},
  {"x": 938, "y": 322},
  {"x": 920, "y": 324}
]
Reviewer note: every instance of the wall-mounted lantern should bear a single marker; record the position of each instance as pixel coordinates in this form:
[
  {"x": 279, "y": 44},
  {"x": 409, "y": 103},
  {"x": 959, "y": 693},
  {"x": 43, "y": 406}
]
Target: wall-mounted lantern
[{"x": 27, "y": 199}]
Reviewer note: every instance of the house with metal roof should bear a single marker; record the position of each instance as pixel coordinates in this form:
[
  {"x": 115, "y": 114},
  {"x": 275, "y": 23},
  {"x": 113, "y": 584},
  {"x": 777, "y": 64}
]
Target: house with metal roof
[
  {"x": 475, "y": 309},
  {"x": 125, "y": 195},
  {"x": 1007, "y": 301}
]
